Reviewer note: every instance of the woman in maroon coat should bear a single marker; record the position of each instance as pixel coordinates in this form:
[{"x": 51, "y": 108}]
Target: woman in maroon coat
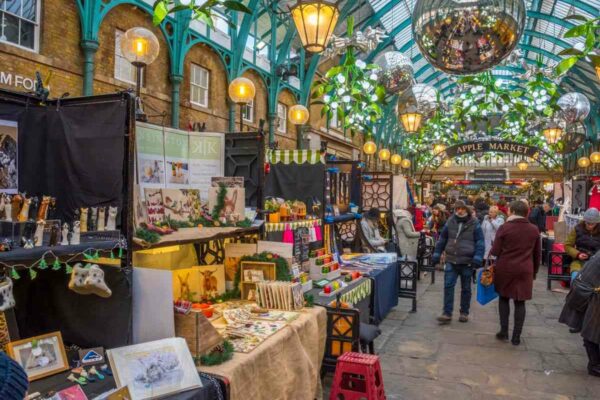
[{"x": 517, "y": 247}]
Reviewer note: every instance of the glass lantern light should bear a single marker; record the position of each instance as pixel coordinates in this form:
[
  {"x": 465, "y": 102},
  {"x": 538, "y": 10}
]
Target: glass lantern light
[
  {"x": 405, "y": 163},
  {"x": 584, "y": 162},
  {"x": 447, "y": 163},
  {"x": 552, "y": 131},
  {"x": 411, "y": 121},
  {"x": 241, "y": 91},
  {"x": 140, "y": 47},
  {"x": 315, "y": 22},
  {"x": 384, "y": 154},
  {"x": 523, "y": 165},
  {"x": 595, "y": 157},
  {"x": 298, "y": 114},
  {"x": 395, "y": 159},
  {"x": 369, "y": 147}
]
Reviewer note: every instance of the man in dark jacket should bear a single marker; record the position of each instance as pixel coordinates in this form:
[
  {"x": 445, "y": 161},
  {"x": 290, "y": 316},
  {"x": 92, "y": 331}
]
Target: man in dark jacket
[
  {"x": 538, "y": 215},
  {"x": 463, "y": 241}
]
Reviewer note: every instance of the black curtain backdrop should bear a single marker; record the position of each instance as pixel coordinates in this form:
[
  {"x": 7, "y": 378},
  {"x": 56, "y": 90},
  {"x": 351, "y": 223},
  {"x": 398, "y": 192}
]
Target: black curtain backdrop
[
  {"x": 296, "y": 182},
  {"x": 73, "y": 150},
  {"x": 45, "y": 304}
]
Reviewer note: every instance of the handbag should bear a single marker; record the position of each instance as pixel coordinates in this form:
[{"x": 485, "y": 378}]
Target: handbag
[
  {"x": 486, "y": 277},
  {"x": 485, "y": 294}
]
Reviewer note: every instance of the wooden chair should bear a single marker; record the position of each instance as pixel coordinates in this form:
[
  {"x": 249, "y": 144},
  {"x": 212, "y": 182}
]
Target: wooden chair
[{"x": 558, "y": 267}]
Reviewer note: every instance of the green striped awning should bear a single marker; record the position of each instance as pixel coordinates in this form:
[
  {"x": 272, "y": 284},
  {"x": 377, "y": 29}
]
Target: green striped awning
[{"x": 295, "y": 156}]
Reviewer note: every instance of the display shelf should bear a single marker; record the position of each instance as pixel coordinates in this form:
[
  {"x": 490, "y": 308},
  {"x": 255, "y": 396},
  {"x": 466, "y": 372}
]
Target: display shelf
[
  {"x": 341, "y": 218},
  {"x": 21, "y": 254},
  {"x": 198, "y": 235}
]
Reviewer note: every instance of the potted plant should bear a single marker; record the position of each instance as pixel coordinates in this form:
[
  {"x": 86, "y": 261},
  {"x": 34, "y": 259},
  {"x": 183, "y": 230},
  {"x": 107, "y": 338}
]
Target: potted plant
[{"x": 272, "y": 207}]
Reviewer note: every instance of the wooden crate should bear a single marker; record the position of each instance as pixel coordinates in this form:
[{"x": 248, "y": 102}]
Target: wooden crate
[
  {"x": 199, "y": 334},
  {"x": 269, "y": 272}
]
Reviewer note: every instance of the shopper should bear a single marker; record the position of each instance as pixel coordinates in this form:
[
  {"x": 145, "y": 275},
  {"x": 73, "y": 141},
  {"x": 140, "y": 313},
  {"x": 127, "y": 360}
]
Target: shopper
[
  {"x": 462, "y": 240},
  {"x": 370, "y": 228},
  {"x": 437, "y": 221},
  {"x": 13, "y": 379},
  {"x": 538, "y": 215},
  {"x": 584, "y": 240},
  {"x": 517, "y": 247},
  {"x": 582, "y": 311},
  {"x": 408, "y": 237},
  {"x": 490, "y": 225},
  {"x": 481, "y": 208},
  {"x": 502, "y": 207}
]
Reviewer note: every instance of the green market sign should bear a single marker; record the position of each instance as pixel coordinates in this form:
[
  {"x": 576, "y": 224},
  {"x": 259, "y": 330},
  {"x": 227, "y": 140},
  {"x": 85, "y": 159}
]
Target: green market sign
[{"x": 492, "y": 146}]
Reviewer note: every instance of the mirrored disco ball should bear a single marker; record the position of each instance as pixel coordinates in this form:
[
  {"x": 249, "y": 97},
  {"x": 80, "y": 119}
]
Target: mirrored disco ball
[
  {"x": 396, "y": 73},
  {"x": 419, "y": 98},
  {"x": 463, "y": 37},
  {"x": 574, "y": 107}
]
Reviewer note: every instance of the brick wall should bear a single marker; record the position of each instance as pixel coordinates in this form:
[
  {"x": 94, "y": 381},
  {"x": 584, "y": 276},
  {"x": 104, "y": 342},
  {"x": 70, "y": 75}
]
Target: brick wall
[{"x": 60, "y": 54}]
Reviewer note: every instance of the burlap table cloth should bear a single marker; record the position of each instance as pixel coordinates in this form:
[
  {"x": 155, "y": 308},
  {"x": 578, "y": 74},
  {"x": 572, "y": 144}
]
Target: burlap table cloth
[{"x": 286, "y": 366}]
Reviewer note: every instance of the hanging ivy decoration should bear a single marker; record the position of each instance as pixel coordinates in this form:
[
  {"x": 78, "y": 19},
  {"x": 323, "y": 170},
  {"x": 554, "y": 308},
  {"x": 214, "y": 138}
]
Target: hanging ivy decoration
[
  {"x": 352, "y": 91},
  {"x": 203, "y": 13}
]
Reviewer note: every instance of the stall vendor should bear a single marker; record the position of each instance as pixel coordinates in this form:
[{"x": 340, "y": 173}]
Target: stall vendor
[
  {"x": 370, "y": 227},
  {"x": 584, "y": 240}
]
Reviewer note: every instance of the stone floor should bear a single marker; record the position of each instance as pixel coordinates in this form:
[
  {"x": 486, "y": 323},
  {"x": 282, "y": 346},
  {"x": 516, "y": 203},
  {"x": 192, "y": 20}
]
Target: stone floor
[{"x": 422, "y": 360}]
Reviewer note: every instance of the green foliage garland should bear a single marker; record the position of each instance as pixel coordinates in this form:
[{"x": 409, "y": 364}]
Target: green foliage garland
[
  {"x": 216, "y": 212},
  {"x": 203, "y": 13},
  {"x": 588, "y": 31},
  {"x": 147, "y": 235},
  {"x": 218, "y": 356},
  {"x": 352, "y": 91}
]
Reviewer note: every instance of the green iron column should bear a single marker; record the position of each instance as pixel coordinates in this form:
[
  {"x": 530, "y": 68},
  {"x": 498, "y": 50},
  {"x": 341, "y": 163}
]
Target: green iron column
[
  {"x": 175, "y": 99},
  {"x": 89, "y": 48},
  {"x": 272, "y": 116},
  {"x": 232, "y": 107}
]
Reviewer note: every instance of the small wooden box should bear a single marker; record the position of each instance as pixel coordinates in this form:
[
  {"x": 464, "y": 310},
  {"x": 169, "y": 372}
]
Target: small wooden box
[
  {"x": 199, "y": 334},
  {"x": 269, "y": 274}
]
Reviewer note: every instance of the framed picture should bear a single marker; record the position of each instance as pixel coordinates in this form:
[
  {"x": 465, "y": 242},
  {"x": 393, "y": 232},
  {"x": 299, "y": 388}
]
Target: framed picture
[
  {"x": 579, "y": 196},
  {"x": 154, "y": 369},
  {"x": 40, "y": 356},
  {"x": 199, "y": 283}
]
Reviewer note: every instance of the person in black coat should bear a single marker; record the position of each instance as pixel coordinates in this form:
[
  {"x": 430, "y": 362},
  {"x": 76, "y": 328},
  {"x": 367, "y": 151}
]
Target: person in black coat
[
  {"x": 538, "y": 215},
  {"x": 582, "y": 311}
]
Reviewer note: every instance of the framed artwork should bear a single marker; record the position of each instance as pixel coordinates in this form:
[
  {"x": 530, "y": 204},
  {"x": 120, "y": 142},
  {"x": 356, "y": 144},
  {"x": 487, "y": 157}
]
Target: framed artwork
[
  {"x": 155, "y": 208},
  {"x": 199, "y": 283},
  {"x": 40, "y": 356},
  {"x": 228, "y": 181},
  {"x": 154, "y": 369},
  {"x": 8, "y": 154},
  {"x": 579, "y": 196},
  {"x": 233, "y": 254},
  {"x": 181, "y": 204}
]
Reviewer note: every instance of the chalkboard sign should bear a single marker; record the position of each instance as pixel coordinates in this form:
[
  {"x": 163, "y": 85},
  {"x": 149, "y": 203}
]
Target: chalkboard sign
[{"x": 301, "y": 242}]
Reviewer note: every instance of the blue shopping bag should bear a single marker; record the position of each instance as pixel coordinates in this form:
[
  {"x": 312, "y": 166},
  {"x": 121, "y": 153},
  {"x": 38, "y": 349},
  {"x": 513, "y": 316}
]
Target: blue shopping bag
[{"x": 485, "y": 294}]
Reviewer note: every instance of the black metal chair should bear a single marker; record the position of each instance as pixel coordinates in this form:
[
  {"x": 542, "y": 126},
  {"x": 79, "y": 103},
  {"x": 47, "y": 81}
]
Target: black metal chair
[
  {"x": 558, "y": 267},
  {"x": 424, "y": 256},
  {"x": 408, "y": 272}
]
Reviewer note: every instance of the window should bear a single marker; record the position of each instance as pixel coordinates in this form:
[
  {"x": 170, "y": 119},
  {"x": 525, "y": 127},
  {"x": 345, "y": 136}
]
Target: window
[
  {"x": 199, "y": 81},
  {"x": 334, "y": 121},
  {"x": 282, "y": 118},
  {"x": 124, "y": 70},
  {"x": 220, "y": 22},
  {"x": 248, "y": 112},
  {"x": 19, "y": 23}
]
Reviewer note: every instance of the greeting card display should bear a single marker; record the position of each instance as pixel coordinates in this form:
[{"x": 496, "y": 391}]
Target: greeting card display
[
  {"x": 181, "y": 204},
  {"x": 155, "y": 208},
  {"x": 154, "y": 369}
]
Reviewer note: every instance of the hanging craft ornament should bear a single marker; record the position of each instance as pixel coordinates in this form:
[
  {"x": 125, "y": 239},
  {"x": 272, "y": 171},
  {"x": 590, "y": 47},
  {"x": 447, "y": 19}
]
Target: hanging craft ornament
[
  {"x": 573, "y": 138},
  {"x": 397, "y": 73},
  {"x": 574, "y": 107},
  {"x": 366, "y": 41},
  {"x": 467, "y": 37}
]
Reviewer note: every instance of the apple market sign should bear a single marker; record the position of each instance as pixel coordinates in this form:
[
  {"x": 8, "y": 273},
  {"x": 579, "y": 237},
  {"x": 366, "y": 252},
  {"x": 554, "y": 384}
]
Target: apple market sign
[
  {"x": 491, "y": 146},
  {"x": 10, "y": 79}
]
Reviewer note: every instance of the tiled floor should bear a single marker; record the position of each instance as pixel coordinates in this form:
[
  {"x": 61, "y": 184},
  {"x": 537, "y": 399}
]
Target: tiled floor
[{"x": 422, "y": 360}]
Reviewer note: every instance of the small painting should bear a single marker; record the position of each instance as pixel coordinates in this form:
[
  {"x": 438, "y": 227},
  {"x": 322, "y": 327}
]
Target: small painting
[
  {"x": 154, "y": 369},
  {"x": 199, "y": 283},
  {"x": 8, "y": 156},
  {"x": 40, "y": 356},
  {"x": 181, "y": 204},
  {"x": 233, "y": 254},
  {"x": 151, "y": 172},
  {"x": 178, "y": 173},
  {"x": 234, "y": 203},
  {"x": 155, "y": 208}
]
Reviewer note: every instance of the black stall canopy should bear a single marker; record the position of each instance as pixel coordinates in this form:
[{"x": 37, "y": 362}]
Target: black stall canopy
[
  {"x": 77, "y": 150},
  {"x": 296, "y": 175}
]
